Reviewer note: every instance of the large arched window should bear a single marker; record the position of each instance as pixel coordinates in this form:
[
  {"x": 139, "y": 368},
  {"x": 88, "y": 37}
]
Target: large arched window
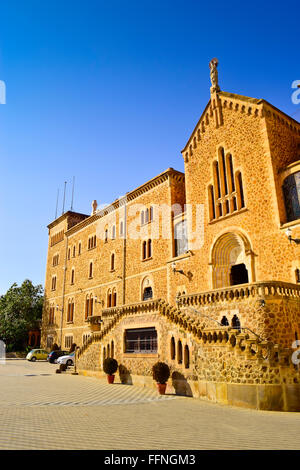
[
  {"x": 173, "y": 348},
  {"x": 226, "y": 194},
  {"x": 180, "y": 237},
  {"x": 291, "y": 192}
]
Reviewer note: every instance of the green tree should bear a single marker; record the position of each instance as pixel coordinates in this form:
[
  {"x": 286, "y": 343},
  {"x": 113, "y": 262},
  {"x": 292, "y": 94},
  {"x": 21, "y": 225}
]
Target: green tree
[{"x": 20, "y": 310}]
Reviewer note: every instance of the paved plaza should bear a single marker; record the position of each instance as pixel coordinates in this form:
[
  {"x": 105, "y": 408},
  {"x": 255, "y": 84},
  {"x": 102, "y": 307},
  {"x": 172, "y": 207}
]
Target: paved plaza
[{"x": 43, "y": 410}]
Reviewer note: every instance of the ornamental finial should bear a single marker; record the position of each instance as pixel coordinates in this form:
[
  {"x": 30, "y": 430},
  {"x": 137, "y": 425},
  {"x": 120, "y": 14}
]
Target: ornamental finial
[{"x": 214, "y": 75}]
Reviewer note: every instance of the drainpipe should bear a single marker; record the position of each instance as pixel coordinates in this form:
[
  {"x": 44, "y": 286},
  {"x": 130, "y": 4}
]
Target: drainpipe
[
  {"x": 124, "y": 253},
  {"x": 63, "y": 292}
]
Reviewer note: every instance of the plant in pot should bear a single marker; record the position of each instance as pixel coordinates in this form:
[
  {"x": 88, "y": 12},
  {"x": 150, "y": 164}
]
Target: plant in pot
[
  {"x": 161, "y": 373},
  {"x": 110, "y": 366}
]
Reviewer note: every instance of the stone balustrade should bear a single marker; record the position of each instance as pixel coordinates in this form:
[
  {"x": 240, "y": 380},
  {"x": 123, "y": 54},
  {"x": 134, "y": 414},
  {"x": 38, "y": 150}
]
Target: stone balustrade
[{"x": 260, "y": 290}]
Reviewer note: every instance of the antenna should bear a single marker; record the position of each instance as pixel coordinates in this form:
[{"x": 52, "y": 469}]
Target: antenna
[
  {"x": 63, "y": 210},
  {"x": 72, "y": 193},
  {"x": 56, "y": 203}
]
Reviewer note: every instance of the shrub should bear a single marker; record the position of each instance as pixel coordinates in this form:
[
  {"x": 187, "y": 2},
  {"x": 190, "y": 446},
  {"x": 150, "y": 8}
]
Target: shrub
[
  {"x": 110, "y": 366},
  {"x": 63, "y": 367},
  {"x": 161, "y": 372}
]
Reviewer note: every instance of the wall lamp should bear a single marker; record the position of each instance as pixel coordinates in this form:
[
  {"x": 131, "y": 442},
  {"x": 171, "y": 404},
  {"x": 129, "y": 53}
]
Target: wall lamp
[
  {"x": 176, "y": 270},
  {"x": 291, "y": 239}
]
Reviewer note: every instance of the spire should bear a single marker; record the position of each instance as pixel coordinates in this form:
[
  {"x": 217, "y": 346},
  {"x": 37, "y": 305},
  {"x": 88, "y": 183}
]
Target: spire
[{"x": 214, "y": 76}]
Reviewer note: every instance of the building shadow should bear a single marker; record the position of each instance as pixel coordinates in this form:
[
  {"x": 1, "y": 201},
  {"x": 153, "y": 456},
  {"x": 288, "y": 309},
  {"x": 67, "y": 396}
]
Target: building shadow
[{"x": 180, "y": 385}]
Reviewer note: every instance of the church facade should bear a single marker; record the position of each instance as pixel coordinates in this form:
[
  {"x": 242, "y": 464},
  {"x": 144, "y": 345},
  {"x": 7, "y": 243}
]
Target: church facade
[{"x": 199, "y": 269}]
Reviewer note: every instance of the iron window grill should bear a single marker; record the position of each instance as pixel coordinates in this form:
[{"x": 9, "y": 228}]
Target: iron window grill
[{"x": 141, "y": 340}]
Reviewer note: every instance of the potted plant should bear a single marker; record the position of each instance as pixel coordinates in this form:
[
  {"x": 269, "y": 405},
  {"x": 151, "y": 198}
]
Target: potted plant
[
  {"x": 110, "y": 366},
  {"x": 161, "y": 373}
]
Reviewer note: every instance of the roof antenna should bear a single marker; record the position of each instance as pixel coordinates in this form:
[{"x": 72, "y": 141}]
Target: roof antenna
[
  {"x": 72, "y": 193},
  {"x": 63, "y": 210},
  {"x": 56, "y": 204}
]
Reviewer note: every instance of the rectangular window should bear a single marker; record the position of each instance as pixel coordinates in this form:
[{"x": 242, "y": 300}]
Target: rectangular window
[
  {"x": 49, "y": 342},
  {"x": 68, "y": 341},
  {"x": 141, "y": 340},
  {"x": 180, "y": 236}
]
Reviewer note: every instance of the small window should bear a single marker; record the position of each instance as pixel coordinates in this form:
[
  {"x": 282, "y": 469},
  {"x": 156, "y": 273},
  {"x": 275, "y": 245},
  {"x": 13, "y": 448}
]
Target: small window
[
  {"x": 180, "y": 237},
  {"x": 79, "y": 248},
  {"x": 53, "y": 286},
  {"x": 186, "y": 357},
  {"x": 142, "y": 218},
  {"x": 106, "y": 236},
  {"x": 91, "y": 270},
  {"x": 113, "y": 235},
  {"x": 149, "y": 253},
  {"x": 291, "y": 192},
  {"x": 69, "y": 253},
  {"x": 173, "y": 349},
  {"x": 121, "y": 228},
  {"x": 148, "y": 293},
  {"x": 74, "y": 251},
  {"x": 72, "y": 276},
  {"x": 112, "y": 262},
  {"x": 141, "y": 340},
  {"x": 179, "y": 352}
]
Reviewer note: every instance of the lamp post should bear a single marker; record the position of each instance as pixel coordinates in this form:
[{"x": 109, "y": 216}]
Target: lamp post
[
  {"x": 61, "y": 322},
  {"x": 288, "y": 233}
]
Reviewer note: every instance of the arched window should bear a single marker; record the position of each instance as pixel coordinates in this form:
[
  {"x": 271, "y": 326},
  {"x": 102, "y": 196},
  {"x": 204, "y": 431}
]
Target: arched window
[
  {"x": 239, "y": 190},
  {"x": 151, "y": 214},
  {"x": 180, "y": 238},
  {"x": 149, "y": 251},
  {"x": 148, "y": 293},
  {"x": 72, "y": 276},
  {"x": 113, "y": 235},
  {"x": 69, "y": 253},
  {"x": 146, "y": 216},
  {"x": 87, "y": 306},
  {"x": 114, "y": 298},
  {"x": 179, "y": 352},
  {"x": 121, "y": 228},
  {"x": 173, "y": 349},
  {"x": 297, "y": 274},
  {"x": 104, "y": 353},
  {"x": 106, "y": 236},
  {"x": 144, "y": 250},
  {"x": 79, "y": 248},
  {"x": 109, "y": 299},
  {"x": 226, "y": 195},
  {"x": 108, "y": 350},
  {"x": 291, "y": 192},
  {"x": 91, "y": 270},
  {"x": 112, "y": 262},
  {"x": 186, "y": 357},
  {"x": 74, "y": 251},
  {"x": 112, "y": 349},
  {"x": 91, "y": 309}
]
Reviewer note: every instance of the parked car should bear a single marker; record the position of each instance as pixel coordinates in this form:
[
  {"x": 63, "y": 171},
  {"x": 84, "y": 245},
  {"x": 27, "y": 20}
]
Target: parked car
[
  {"x": 69, "y": 359},
  {"x": 37, "y": 355},
  {"x": 54, "y": 355}
]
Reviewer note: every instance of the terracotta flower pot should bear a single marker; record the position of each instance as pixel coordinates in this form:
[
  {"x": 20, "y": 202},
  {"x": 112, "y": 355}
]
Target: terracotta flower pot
[
  {"x": 110, "y": 379},
  {"x": 161, "y": 388}
]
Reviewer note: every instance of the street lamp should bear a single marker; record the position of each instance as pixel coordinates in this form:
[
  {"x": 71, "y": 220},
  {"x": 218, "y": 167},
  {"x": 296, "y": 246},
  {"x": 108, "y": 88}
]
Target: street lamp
[
  {"x": 180, "y": 271},
  {"x": 288, "y": 233}
]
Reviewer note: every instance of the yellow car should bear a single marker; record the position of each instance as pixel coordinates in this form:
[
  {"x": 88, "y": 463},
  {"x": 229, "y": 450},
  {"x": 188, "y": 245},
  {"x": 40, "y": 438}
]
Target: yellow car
[{"x": 37, "y": 355}]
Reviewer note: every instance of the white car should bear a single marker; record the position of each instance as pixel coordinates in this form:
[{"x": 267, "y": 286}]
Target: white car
[{"x": 68, "y": 360}]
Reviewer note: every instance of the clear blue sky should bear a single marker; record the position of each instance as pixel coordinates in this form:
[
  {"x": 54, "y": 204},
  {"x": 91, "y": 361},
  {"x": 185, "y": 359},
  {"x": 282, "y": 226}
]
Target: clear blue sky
[{"x": 109, "y": 91}]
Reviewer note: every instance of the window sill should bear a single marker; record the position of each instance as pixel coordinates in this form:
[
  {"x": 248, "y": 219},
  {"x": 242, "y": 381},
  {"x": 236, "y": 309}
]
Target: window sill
[
  {"x": 146, "y": 223},
  {"x": 112, "y": 270},
  {"x": 139, "y": 355},
  {"x": 69, "y": 322},
  {"x": 227, "y": 216},
  {"x": 147, "y": 259},
  {"x": 293, "y": 223},
  {"x": 185, "y": 255}
]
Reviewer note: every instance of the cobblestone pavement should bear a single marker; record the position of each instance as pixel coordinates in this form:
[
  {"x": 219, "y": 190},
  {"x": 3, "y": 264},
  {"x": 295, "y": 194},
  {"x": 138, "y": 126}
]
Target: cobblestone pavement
[{"x": 43, "y": 410}]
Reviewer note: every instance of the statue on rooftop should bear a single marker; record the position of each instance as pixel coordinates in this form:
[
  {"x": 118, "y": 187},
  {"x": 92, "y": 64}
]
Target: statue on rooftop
[{"x": 214, "y": 75}]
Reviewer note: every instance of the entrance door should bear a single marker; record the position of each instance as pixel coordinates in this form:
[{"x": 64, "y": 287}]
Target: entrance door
[{"x": 238, "y": 274}]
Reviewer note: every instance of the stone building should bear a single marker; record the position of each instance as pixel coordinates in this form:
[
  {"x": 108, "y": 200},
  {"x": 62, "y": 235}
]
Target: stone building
[{"x": 198, "y": 269}]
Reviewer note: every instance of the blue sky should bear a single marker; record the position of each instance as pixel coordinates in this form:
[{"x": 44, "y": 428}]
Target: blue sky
[{"x": 109, "y": 92}]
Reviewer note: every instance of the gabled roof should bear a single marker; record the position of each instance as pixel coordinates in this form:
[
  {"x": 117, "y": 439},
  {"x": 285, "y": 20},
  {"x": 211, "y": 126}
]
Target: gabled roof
[{"x": 253, "y": 102}]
